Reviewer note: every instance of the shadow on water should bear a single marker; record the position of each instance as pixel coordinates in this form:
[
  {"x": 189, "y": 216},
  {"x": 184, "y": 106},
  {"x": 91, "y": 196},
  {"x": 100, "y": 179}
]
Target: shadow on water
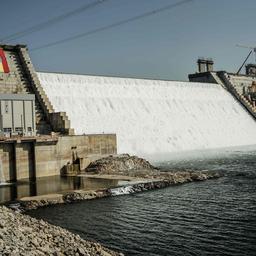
[{"x": 50, "y": 185}]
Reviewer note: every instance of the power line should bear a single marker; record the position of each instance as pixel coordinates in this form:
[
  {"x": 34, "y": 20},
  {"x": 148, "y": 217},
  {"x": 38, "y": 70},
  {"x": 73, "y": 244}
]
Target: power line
[
  {"x": 50, "y": 22},
  {"x": 113, "y": 25}
]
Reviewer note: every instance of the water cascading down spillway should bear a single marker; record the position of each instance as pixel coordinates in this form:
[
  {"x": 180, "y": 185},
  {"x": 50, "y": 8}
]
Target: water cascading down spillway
[{"x": 151, "y": 116}]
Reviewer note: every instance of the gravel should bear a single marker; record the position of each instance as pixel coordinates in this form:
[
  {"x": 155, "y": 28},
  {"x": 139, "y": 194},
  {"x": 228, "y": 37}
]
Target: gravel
[{"x": 23, "y": 235}]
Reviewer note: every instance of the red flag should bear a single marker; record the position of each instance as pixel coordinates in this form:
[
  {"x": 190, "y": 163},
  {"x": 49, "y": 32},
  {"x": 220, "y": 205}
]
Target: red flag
[{"x": 3, "y": 62}]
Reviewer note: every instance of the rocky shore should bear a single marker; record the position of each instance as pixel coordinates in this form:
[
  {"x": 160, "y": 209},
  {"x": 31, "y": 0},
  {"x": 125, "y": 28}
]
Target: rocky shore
[
  {"x": 32, "y": 203},
  {"x": 23, "y": 235},
  {"x": 133, "y": 166},
  {"x": 141, "y": 181},
  {"x": 141, "y": 174}
]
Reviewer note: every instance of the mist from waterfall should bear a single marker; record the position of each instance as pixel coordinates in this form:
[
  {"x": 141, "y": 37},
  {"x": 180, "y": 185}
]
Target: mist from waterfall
[{"x": 151, "y": 117}]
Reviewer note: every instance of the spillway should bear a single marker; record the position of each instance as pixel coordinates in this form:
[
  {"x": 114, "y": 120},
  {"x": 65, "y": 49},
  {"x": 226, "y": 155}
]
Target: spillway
[{"x": 151, "y": 116}]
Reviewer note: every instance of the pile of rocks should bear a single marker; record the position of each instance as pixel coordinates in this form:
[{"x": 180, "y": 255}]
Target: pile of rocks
[
  {"x": 83, "y": 195},
  {"x": 120, "y": 164},
  {"x": 188, "y": 176},
  {"x": 69, "y": 197},
  {"x": 140, "y": 168},
  {"x": 165, "y": 180},
  {"x": 34, "y": 204},
  {"x": 23, "y": 235}
]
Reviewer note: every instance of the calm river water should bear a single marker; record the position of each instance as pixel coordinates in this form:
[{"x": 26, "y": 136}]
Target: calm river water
[{"x": 215, "y": 217}]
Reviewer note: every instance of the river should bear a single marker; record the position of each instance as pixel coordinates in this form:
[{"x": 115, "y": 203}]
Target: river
[{"x": 215, "y": 217}]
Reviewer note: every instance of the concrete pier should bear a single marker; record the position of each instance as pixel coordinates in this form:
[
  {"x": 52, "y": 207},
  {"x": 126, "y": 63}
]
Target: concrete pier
[{"x": 31, "y": 157}]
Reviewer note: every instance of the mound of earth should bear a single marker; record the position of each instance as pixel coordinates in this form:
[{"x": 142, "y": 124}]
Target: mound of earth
[{"x": 119, "y": 164}]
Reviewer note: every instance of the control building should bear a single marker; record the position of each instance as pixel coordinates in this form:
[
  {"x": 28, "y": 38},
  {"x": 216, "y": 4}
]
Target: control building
[{"x": 17, "y": 114}]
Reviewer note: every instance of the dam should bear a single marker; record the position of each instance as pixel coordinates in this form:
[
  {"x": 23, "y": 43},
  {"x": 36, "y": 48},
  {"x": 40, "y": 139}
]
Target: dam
[
  {"x": 151, "y": 117},
  {"x": 50, "y": 121},
  {"x": 36, "y": 140}
]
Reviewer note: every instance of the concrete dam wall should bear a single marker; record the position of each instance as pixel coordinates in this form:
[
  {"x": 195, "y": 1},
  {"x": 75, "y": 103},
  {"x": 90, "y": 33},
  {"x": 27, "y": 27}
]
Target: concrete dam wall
[
  {"x": 35, "y": 140},
  {"x": 151, "y": 116}
]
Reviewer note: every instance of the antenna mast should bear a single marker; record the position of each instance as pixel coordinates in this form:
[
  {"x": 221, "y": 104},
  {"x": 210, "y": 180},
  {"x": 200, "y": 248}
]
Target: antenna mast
[{"x": 252, "y": 48}]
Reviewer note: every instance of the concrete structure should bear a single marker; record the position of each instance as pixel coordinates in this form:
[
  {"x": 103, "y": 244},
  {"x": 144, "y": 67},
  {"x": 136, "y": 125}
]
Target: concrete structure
[
  {"x": 36, "y": 141},
  {"x": 205, "y": 65},
  {"x": 19, "y": 77},
  {"x": 151, "y": 118},
  {"x": 31, "y": 157},
  {"x": 239, "y": 85},
  {"x": 17, "y": 114},
  {"x": 250, "y": 69}
]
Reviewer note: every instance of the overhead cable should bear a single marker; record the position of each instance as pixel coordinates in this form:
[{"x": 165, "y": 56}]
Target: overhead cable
[
  {"x": 113, "y": 25},
  {"x": 51, "y": 22}
]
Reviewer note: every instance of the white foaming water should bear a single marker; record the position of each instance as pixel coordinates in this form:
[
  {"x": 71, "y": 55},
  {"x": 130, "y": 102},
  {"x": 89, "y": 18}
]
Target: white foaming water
[
  {"x": 150, "y": 116},
  {"x": 121, "y": 191}
]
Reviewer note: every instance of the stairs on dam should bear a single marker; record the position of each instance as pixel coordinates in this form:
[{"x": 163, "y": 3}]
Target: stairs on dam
[
  {"x": 42, "y": 123},
  {"x": 23, "y": 79},
  {"x": 236, "y": 84},
  {"x": 236, "y": 92}
]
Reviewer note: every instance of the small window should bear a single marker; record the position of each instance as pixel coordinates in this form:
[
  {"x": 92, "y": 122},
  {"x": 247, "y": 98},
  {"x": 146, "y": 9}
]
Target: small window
[
  {"x": 6, "y": 107},
  {"x": 7, "y": 130},
  {"x": 18, "y": 129},
  {"x": 29, "y": 129}
]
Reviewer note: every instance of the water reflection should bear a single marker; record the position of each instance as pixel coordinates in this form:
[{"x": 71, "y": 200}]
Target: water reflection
[{"x": 52, "y": 184}]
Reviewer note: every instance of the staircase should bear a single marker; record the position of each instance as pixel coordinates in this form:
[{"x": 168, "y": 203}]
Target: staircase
[
  {"x": 27, "y": 81},
  {"x": 61, "y": 123},
  {"x": 58, "y": 121},
  {"x": 217, "y": 79},
  {"x": 42, "y": 123},
  {"x": 232, "y": 89}
]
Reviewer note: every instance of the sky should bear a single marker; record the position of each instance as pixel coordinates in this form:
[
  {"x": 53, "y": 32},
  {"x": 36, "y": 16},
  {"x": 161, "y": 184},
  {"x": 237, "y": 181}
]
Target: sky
[{"x": 161, "y": 46}]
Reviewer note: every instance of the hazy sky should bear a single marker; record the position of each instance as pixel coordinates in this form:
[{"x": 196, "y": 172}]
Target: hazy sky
[{"x": 165, "y": 45}]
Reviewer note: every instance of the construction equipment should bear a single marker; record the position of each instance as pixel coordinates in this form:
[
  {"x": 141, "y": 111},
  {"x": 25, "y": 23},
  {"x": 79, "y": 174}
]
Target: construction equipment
[{"x": 252, "y": 50}]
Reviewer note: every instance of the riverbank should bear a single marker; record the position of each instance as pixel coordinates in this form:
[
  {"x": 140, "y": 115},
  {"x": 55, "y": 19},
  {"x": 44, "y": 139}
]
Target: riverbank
[
  {"x": 212, "y": 217},
  {"x": 139, "y": 181},
  {"x": 133, "y": 174},
  {"x": 28, "y": 236},
  {"x": 23, "y": 235}
]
